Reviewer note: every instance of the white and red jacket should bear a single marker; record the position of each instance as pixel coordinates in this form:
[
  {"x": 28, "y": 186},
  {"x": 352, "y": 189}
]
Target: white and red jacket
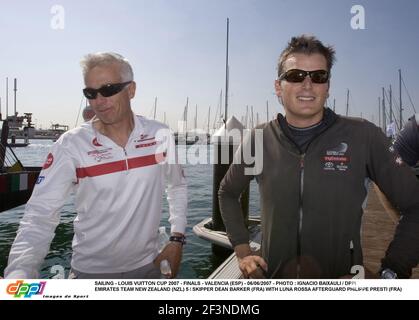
[{"x": 118, "y": 200}]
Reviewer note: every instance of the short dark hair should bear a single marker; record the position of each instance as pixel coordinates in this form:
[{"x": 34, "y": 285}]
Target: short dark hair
[{"x": 306, "y": 44}]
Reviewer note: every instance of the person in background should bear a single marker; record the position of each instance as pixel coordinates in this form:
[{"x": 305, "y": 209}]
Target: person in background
[
  {"x": 407, "y": 141},
  {"x": 88, "y": 113},
  {"x": 118, "y": 166},
  {"x": 313, "y": 181},
  {"x": 407, "y": 146}
]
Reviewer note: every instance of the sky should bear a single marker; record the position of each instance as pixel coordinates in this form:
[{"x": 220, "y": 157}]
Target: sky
[{"x": 178, "y": 48}]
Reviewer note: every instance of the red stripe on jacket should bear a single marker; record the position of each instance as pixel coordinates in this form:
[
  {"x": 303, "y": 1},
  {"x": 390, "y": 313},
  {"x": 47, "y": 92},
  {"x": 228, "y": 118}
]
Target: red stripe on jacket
[{"x": 121, "y": 165}]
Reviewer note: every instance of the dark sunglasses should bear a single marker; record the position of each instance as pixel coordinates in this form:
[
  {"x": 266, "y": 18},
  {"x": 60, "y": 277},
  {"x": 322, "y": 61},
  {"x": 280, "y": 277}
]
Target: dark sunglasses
[
  {"x": 297, "y": 75},
  {"x": 107, "y": 90}
]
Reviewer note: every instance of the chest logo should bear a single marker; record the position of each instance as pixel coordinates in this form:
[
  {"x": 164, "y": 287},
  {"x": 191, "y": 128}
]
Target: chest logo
[
  {"x": 99, "y": 155},
  {"x": 336, "y": 158},
  {"x": 96, "y": 143}
]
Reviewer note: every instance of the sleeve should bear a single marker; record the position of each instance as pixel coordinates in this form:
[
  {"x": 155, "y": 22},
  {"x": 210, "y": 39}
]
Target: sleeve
[
  {"x": 236, "y": 180},
  {"x": 401, "y": 187},
  {"x": 407, "y": 143},
  {"x": 176, "y": 188},
  {"x": 42, "y": 215}
]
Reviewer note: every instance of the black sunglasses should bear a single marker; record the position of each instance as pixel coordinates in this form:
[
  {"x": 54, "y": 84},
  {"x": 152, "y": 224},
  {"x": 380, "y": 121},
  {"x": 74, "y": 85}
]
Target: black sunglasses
[
  {"x": 107, "y": 90},
  {"x": 297, "y": 75}
]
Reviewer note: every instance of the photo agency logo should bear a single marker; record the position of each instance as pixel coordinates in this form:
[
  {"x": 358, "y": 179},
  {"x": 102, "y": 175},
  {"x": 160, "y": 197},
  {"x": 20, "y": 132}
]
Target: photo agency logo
[{"x": 20, "y": 289}]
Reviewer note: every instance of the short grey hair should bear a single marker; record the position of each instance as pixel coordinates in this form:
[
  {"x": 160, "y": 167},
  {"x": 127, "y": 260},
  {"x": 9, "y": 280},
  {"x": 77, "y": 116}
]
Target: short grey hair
[{"x": 92, "y": 60}]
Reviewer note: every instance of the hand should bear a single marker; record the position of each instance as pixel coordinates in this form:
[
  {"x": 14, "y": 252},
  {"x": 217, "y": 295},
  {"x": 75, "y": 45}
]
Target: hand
[
  {"x": 250, "y": 263},
  {"x": 253, "y": 267},
  {"x": 172, "y": 252}
]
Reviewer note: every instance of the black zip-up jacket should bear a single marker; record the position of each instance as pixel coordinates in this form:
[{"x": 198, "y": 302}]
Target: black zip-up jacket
[{"x": 311, "y": 202}]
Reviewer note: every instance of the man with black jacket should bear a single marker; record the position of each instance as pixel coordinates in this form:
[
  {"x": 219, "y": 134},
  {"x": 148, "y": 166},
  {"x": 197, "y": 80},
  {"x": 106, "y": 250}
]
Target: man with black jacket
[{"x": 316, "y": 166}]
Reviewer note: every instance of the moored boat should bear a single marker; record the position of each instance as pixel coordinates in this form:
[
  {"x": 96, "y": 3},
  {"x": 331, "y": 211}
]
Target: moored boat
[{"x": 16, "y": 181}]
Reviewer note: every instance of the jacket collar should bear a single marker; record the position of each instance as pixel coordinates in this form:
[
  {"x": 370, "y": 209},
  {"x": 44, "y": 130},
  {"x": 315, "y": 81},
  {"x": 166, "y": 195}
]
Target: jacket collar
[
  {"x": 329, "y": 118},
  {"x": 136, "y": 131}
]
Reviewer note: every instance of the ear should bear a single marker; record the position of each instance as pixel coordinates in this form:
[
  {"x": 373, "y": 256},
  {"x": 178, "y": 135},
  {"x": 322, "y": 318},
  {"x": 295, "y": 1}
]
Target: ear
[
  {"x": 132, "y": 87},
  {"x": 278, "y": 89}
]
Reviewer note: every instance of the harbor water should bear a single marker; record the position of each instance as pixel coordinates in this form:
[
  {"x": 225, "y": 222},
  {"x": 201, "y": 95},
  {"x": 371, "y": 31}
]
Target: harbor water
[{"x": 198, "y": 259}]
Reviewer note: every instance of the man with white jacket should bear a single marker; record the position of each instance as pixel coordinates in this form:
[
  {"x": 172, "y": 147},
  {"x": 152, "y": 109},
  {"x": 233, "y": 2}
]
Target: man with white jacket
[{"x": 118, "y": 164}]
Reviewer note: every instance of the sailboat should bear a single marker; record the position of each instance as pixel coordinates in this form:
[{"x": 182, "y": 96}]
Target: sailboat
[
  {"x": 16, "y": 181},
  {"x": 185, "y": 137},
  {"x": 212, "y": 229}
]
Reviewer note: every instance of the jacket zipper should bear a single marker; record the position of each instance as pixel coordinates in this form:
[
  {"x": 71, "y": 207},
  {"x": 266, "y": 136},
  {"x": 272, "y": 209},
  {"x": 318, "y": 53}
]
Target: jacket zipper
[
  {"x": 300, "y": 216},
  {"x": 300, "y": 213},
  {"x": 126, "y": 160}
]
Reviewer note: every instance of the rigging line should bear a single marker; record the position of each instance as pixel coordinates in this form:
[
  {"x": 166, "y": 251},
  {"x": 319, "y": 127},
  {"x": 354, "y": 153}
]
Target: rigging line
[
  {"x": 394, "y": 113},
  {"x": 7, "y": 155},
  {"x": 219, "y": 105},
  {"x": 410, "y": 99},
  {"x": 8, "y": 160},
  {"x": 396, "y": 120},
  {"x": 78, "y": 114},
  {"x": 387, "y": 112},
  {"x": 392, "y": 107},
  {"x": 11, "y": 155},
  {"x": 352, "y": 100},
  {"x": 385, "y": 94}
]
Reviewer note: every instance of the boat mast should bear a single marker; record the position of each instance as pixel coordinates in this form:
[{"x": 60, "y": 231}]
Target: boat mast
[
  {"x": 155, "y": 107},
  {"x": 347, "y": 103},
  {"x": 384, "y": 112},
  {"x": 196, "y": 117},
  {"x": 400, "y": 98},
  {"x": 227, "y": 72},
  {"x": 379, "y": 112},
  {"x": 391, "y": 106},
  {"x": 185, "y": 116},
  {"x": 209, "y": 116},
  {"x": 7, "y": 97},
  {"x": 15, "y": 90},
  {"x": 219, "y": 107},
  {"x": 247, "y": 117}
]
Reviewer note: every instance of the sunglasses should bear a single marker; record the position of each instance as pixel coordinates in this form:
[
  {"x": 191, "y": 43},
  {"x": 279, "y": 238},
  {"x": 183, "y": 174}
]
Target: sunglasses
[
  {"x": 107, "y": 90},
  {"x": 297, "y": 75}
]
